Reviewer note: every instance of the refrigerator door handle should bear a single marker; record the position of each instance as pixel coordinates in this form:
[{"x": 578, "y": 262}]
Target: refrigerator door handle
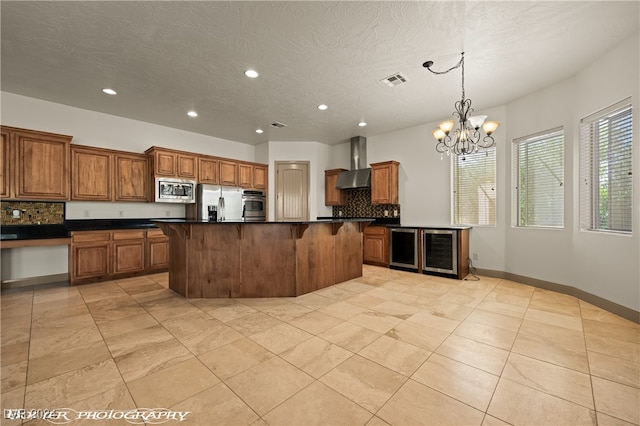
[{"x": 221, "y": 208}]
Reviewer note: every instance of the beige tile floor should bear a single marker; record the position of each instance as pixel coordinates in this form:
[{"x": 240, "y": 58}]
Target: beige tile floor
[{"x": 389, "y": 348}]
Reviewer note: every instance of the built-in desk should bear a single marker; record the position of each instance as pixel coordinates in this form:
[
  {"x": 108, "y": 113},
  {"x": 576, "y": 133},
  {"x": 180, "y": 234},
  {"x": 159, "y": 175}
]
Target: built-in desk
[{"x": 261, "y": 259}]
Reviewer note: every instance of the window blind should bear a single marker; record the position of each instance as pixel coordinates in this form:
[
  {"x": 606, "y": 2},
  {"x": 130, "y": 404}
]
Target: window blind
[
  {"x": 538, "y": 175},
  {"x": 474, "y": 188},
  {"x": 606, "y": 190}
]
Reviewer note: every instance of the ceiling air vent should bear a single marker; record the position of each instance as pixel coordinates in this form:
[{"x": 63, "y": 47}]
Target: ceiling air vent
[
  {"x": 278, "y": 125},
  {"x": 394, "y": 79}
]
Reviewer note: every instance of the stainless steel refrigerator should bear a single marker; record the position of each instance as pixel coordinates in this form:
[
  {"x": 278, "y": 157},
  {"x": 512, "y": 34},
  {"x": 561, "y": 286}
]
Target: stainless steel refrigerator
[{"x": 226, "y": 200}]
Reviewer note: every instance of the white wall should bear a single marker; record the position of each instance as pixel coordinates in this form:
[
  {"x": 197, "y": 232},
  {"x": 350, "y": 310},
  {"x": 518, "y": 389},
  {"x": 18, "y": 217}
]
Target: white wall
[{"x": 425, "y": 184}]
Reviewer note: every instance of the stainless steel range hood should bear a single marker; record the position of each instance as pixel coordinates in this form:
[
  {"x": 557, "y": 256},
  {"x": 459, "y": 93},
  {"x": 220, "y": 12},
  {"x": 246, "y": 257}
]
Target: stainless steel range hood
[{"x": 359, "y": 176}]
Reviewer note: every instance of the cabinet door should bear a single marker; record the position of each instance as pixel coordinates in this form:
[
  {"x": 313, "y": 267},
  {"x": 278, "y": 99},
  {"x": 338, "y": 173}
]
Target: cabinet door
[
  {"x": 384, "y": 183},
  {"x": 89, "y": 261},
  {"x": 91, "y": 174},
  {"x": 5, "y": 166},
  {"x": 164, "y": 164},
  {"x": 376, "y": 246},
  {"x": 158, "y": 253},
  {"x": 43, "y": 166},
  {"x": 208, "y": 170},
  {"x": 187, "y": 166},
  {"x": 260, "y": 177},
  {"x": 131, "y": 177},
  {"x": 245, "y": 175},
  {"x": 228, "y": 173},
  {"x": 128, "y": 256},
  {"x": 332, "y": 195}
]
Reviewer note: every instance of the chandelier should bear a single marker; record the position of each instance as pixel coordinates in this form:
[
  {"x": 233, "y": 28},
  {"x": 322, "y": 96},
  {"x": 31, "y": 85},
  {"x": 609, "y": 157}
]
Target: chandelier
[{"x": 466, "y": 138}]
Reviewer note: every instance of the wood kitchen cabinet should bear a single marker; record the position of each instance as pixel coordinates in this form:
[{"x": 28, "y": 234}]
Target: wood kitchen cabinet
[
  {"x": 128, "y": 249},
  {"x": 99, "y": 174},
  {"x": 260, "y": 176},
  {"x": 208, "y": 170},
  {"x": 171, "y": 163},
  {"x": 38, "y": 165},
  {"x": 245, "y": 175},
  {"x": 376, "y": 245},
  {"x": 384, "y": 182},
  {"x": 91, "y": 173},
  {"x": 228, "y": 173},
  {"x": 5, "y": 165},
  {"x": 131, "y": 177},
  {"x": 110, "y": 254},
  {"x": 157, "y": 247},
  {"x": 332, "y": 195}
]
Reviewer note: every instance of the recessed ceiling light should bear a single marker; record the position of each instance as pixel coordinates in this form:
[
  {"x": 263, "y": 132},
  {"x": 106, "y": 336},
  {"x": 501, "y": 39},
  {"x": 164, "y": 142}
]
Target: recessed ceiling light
[
  {"x": 251, "y": 73},
  {"x": 109, "y": 91},
  {"x": 322, "y": 107},
  {"x": 192, "y": 114},
  {"x": 259, "y": 131},
  {"x": 362, "y": 124}
]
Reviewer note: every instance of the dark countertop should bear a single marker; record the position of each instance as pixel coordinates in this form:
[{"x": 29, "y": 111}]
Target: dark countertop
[
  {"x": 446, "y": 227},
  {"x": 374, "y": 220},
  {"x": 307, "y": 222},
  {"x": 37, "y": 232}
]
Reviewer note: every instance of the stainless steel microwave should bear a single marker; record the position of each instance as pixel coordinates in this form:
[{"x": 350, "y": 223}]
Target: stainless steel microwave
[{"x": 171, "y": 190}]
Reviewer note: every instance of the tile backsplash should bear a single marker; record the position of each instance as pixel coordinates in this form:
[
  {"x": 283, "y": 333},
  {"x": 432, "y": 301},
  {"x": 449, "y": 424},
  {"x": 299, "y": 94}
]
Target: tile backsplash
[
  {"x": 31, "y": 213},
  {"x": 359, "y": 205}
]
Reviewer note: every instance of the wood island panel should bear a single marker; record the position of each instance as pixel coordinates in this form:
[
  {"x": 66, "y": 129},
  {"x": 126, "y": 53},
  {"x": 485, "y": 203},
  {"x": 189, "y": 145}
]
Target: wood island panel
[{"x": 274, "y": 259}]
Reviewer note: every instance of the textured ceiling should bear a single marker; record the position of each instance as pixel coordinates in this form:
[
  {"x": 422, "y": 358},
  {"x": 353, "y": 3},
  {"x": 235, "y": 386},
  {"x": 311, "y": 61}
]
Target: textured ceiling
[{"x": 165, "y": 58}]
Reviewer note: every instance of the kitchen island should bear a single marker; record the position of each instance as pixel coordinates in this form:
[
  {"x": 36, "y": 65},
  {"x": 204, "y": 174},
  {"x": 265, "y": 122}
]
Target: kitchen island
[{"x": 261, "y": 259}]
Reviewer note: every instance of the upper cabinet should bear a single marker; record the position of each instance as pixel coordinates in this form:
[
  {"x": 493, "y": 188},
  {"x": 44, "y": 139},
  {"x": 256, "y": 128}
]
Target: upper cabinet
[
  {"x": 245, "y": 175},
  {"x": 208, "y": 170},
  {"x": 228, "y": 173},
  {"x": 171, "y": 163},
  {"x": 91, "y": 173},
  {"x": 384, "y": 182},
  {"x": 5, "y": 172},
  {"x": 332, "y": 195},
  {"x": 131, "y": 176},
  {"x": 36, "y": 165},
  {"x": 260, "y": 176},
  {"x": 106, "y": 175}
]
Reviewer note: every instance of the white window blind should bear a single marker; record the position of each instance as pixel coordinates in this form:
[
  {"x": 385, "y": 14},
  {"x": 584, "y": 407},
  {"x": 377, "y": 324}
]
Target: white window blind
[
  {"x": 538, "y": 176},
  {"x": 474, "y": 188},
  {"x": 606, "y": 140}
]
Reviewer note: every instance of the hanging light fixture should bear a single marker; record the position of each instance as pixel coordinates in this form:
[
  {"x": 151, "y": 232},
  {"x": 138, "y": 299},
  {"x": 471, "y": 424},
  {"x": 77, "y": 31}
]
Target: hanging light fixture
[{"x": 466, "y": 138}]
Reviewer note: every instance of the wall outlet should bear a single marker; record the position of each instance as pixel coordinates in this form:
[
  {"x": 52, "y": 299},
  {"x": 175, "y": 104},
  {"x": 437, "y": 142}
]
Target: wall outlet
[
  {"x": 168, "y": 213},
  {"x": 395, "y": 213},
  {"x": 475, "y": 256},
  {"x": 340, "y": 213},
  {"x": 86, "y": 213},
  {"x": 16, "y": 214},
  {"x": 386, "y": 213},
  {"x": 120, "y": 213}
]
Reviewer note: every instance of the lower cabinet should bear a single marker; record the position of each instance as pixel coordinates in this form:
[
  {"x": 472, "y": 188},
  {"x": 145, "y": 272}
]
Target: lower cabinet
[
  {"x": 104, "y": 255},
  {"x": 376, "y": 245}
]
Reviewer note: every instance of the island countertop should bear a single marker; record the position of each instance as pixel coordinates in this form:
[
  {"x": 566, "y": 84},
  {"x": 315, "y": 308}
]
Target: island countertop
[{"x": 261, "y": 259}]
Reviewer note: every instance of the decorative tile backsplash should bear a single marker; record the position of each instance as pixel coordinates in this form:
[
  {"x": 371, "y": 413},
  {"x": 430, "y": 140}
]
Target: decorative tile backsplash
[
  {"x": 359, "y": 205},
  {"x": 31, "y": 213}
]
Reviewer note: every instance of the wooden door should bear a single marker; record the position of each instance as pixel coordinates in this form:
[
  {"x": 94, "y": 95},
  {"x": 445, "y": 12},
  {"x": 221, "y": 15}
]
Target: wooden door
[
  {"x": 43, "y": 166},
  {"x": 157, "y": 250},
  {"x": 91, "y": 175},
  {"x": 131, "y": 177},
  {"x": 5, "y": 165},
  {"x": 384, "y": 183},
  {"x": 292, "y": 191},
  {"x": 164, "y": 164},
  {"x": 208, "y": 170},
  {"x": 376, "y": 246},
  {"x": 245, "y": 175},
  {"x": 128, "y": 256}
]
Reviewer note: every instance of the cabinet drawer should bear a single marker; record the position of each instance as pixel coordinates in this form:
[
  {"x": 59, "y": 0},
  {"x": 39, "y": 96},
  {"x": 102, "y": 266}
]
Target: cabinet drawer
[
  {"x": 128, "y": 235},
  {"x": 155, "y": 233},
  {"x": 87, "y": 237},
  {"x": 375, "y": 230}
]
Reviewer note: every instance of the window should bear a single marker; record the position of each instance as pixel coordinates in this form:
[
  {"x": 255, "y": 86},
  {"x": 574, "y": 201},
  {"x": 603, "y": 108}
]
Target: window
[
  {"x": 474, "y": 188},
  {"x": 538, "y": 175},
  {"x": 605, "y": 169}
]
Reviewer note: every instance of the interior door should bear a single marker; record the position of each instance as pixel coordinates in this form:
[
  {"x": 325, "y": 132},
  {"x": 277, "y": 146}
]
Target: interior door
[{"x": 292, "y": 191}]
